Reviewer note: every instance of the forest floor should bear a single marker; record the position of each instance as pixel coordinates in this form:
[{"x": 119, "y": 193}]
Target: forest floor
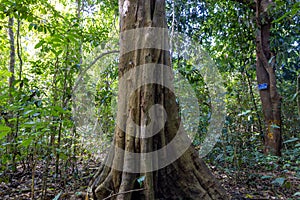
[
  {"x": 246, "y": 183},
  {"x": 259, "y": 183}
]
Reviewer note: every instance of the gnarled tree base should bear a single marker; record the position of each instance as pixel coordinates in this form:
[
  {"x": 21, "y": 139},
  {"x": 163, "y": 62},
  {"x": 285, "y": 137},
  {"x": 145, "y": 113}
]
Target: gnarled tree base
[{"x": 186, "y": 178}]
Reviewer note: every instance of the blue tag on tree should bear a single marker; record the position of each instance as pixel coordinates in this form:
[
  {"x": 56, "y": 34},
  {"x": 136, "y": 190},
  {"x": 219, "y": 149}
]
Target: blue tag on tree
[{"x": 263, "y": 86}]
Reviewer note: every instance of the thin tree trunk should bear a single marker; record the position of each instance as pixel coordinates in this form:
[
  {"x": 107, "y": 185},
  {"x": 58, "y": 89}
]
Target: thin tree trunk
[
  {"x": 260, "y": 127},
  {"x": 12, "y": 62},
  {"x": 270, "y": 98},
  {"x": 12, "y": 52},
  {"x": 19, "y": 50},
  {"x": 298, "y": 95},
  {"x": 80, "y": 7},
  {"x": 187, "y": 177},
  {"x": 19, "y": 53}
]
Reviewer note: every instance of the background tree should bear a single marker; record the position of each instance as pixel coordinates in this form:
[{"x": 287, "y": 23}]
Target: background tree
[
  {"x": 237, "y": 22},
  {"x": 270, "y": 98}
]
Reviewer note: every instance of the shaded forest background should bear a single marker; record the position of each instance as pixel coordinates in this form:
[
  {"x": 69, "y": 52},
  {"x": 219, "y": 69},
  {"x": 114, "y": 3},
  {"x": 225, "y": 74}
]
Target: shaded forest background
[{"x": 48, "y": 48}]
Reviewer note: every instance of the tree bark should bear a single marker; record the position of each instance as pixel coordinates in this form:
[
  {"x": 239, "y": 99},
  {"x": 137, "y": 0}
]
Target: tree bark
[
  {"x": 270, "y": 98},
  {"x": 298, "y": 94},
  {"x": 187, "y": 177},
  {"x": 10, "y": 137},
  {"x": 12, "y": 52}
]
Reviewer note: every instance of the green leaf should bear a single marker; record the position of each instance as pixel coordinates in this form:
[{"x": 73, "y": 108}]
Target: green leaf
[
  {"x": 58, "y": 52},
  {"x": 275, "y": 126},
  {"x": 140, "y": 180},
  {"x": 249, "y": 196},
  {"x": 4, "y": 130},
  {"x": 291, "y": 140},
  {"x": 78, "y": 193},
  {"x": 271, "y": 59},
  {"x": 292, "y": 13},
  {"x": 294, "y": 96},
  {"x": 244, "y": 113},
  {"x": 279, "y": 181},
  {"x": 39, "y": 44},
  {"x": 32, "y": 25},
  {"x": 296, "y": 194},
  {"x": 26, "y": 142},
  {"x": 36, "y": 114},
  {"x": 266, "y": 177},
  {"x": 57, "y": 196},
  {"x": 29, "y": 124},
  {"x": 57, "y": 40},
  {"x": 27, "y": 112}
]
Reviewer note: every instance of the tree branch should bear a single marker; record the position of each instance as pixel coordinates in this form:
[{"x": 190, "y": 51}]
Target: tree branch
[{"x": 90, "y": 65}]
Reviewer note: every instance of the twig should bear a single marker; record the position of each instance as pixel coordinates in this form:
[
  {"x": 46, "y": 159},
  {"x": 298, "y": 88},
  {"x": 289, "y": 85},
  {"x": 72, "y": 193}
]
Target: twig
[
  {"x": 90, "y": 65},
  {"x": 125, "y": 192}
]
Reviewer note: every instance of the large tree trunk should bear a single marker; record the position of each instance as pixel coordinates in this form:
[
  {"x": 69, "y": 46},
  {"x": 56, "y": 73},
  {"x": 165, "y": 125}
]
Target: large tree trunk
[
  {"x": 270, "y": 98},
  {"x": 148, "y": 120}
]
